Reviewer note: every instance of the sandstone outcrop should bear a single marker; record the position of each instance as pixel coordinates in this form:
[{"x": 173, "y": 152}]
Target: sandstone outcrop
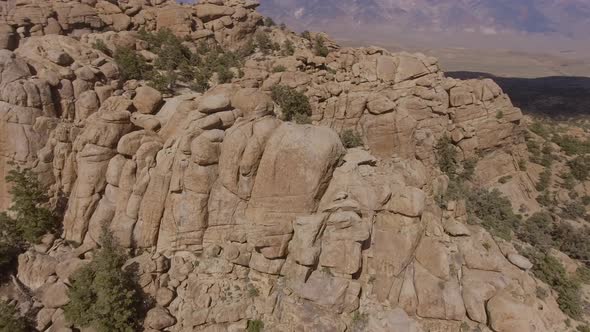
[{"x": 239, "y": 215}]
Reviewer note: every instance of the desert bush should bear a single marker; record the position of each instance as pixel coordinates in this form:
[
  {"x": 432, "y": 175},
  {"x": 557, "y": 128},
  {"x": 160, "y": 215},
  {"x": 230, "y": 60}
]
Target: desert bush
[
  {"x": 583, "y": 328},
  {"x": 264, "y": 43},
  {"x": 571, "y": 145},
  {"x": 132, "y": 66},
  {"x": 537, "y": 230},
  {"x": 549, "y": 270},
  {"x": 103, "y": 296},
  {"x": 163, "y": 82},
  {"x": 255, "y": 325},
  {"x": 540, "y": 129},
  {"x": 306, "y": 34},
  {"x": 101, "y": 46},
  {"x": 572, "y": 241},
  {"x": 350, "y": 139},
  {"x": 11, "y": 320},
  {"x": 319, "y": 46},
  {"x": 288, "y": 48},
  {"x": 268, "y": 22},
  {"x": 573, "y": 210},
  {"x": 580, "y": 167},
  {"x": 279, "y": 69},
  {"x": 446, "y": 155},
  {"x": 494, "y": 212},
  {"x": 292, "y": 102}
]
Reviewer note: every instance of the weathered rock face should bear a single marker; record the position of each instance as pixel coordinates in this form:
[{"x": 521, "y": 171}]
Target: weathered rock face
[
  {"x": 227, "y": 21},
  {"x": 242, "y": 216}
]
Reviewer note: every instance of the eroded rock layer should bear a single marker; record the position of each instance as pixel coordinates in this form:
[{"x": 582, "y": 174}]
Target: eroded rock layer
[{"x": 242, "y": 216}]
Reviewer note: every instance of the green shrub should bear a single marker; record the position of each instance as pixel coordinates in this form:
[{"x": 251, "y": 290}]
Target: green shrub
[
  {"x": 548, "y": 269},
  {"x": 446, "y": 155},
  {"x": 268, "y": 22},
  {"x": 306, "y": 35},
  {"x": 132, "y": 66},
  {"x": 494, "y": 212},
  {"x": 103, "y": 296},
  {"x": 540, "y": 129},
  {"x": 505, "y": 179},
  {"x": 583, "y": 274},
  {"x": 572, "y": 241},
  {"x": 101, "y": 46},
  {"x": 264, "y": 43},
  {"x": 11, "y": 320},
  {"x": 499, "y": 115},
  {"x": 571, "y": 145},
  {"x": 163, "y": 82},
  {"x": 580, "y": 167},
  {"x": 537, "y": 230},
  {"x": 288, "y": 48},
  {"x": 292, "y": 102},
  {"x": 279, "y": 69},
  {"x": 468, "y": 170},
  {"x": 350, "y": 139},
  {"x": 255, "y": 325},
  {"x": 319, "y": 46},
  {"x": 29, "y": 218},
  {"x": 573, "y": 210}
]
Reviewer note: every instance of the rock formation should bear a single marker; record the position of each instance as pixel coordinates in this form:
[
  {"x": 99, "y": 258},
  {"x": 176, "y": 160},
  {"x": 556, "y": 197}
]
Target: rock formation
[{"x": 239, "y": 215}]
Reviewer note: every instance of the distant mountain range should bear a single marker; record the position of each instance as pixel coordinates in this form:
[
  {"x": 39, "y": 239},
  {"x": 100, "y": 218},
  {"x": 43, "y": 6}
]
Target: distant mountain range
[
  {"x": 566, "y": 17},
  {"x": 378, "y": 19}
]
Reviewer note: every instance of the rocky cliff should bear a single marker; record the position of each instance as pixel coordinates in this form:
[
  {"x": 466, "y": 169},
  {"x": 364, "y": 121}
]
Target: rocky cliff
[{"x": 216, "y": 196}]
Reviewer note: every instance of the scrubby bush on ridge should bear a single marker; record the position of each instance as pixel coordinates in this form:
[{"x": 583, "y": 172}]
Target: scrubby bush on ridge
[{"x": 295, "y": 105}]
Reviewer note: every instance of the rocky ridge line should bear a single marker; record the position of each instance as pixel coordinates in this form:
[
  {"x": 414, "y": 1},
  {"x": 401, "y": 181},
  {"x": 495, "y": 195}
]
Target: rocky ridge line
[{"x": 222, "y": 196}]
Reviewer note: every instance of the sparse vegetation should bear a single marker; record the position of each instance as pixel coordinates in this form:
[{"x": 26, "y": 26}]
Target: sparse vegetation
[
  {"x": 288, "y": 48},
  {"x": 319, "y": 46},
  {"x": 131, "y": 65},
  {"x": 253, "y": 291},
  {"x": 279, "y": 69},
  {"x": 571, "y": 145},
  {"x": 100, "y": 45},
  {"x": 536, "y": 230},
  {"x": 28, "y": 218},
  {"x": 11, "y": 320},
  {"x": 446, "y": 154},
  {"x": 350, "y": 139},
  {"x": 295, "y": 105},
  {"x": 264, "y": 43},
  {"x": 359, "y": 321},
  {"x": 544, "y": 180},
  {"x": 494, "y": 212},
  {"x": 306, "y": 35},
  {"x": 103, "y": 296},
  {"x": 255, "y": 325},
  {"x": 580, "y": 167},
  {"x": 268, "y": 22},
  {"x": 548, "y": 269}
]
